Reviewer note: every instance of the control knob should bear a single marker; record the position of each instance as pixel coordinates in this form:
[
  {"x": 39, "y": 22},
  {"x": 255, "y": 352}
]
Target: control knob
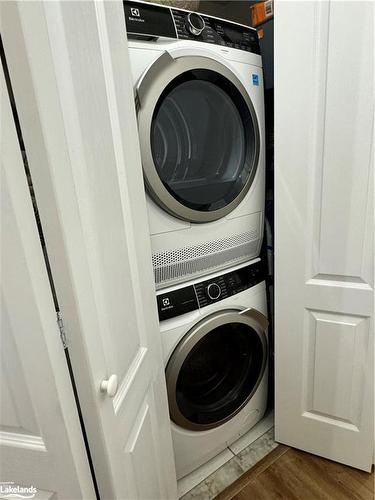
[
  {"x": 195, "y": 23},
  {"x": 213, "y": 291}
]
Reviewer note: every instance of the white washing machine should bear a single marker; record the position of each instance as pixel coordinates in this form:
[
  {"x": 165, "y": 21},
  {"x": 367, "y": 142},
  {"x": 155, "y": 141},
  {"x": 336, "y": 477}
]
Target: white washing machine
[
  {"x": 198, "y": 84},
  {"x": 215, "y": 345}
]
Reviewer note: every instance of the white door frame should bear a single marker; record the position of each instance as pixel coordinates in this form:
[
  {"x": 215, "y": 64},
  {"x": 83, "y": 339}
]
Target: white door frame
[{"x": 82, "y": 144}]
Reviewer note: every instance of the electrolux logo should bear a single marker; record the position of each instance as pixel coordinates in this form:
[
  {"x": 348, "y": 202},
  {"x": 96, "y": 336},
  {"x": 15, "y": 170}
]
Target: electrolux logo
[
  {"x": 165, "y": 304},
  {"x": 135, "y": 15}
]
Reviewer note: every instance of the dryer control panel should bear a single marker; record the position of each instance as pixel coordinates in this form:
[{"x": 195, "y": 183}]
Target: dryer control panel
[
  {"x": 148, "y": 22},
  {"x": 204, "y": 293}
]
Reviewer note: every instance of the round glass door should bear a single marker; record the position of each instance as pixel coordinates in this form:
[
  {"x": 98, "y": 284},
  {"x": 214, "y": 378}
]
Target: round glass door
[
  {"x": 212, "y": 380},
  {"x": 204, "y": 143},
  {"x": 203, "y": 140}
]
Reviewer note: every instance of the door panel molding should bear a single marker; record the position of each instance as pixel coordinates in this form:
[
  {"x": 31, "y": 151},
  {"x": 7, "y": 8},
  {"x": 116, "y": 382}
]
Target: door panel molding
[
  {"x": 336, "y": 346},
  {"x": 16, "y": 439},
  {"x": 330, "y": 134}
]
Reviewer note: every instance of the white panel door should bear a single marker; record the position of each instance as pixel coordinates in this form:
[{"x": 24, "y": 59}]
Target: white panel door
[
  {"x": 41, "y": 444},
  {"x": 324, "y": 219},
  {"x": 70, "y": 71}
]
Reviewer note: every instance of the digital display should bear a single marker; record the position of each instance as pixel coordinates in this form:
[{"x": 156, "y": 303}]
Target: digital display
[
  {"x": 238, "y": 37},
  {"x": 233, "y": 35}
]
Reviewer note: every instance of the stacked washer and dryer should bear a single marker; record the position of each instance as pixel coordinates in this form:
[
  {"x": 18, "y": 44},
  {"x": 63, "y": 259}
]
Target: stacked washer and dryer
[{"x": 200, "y": 106}]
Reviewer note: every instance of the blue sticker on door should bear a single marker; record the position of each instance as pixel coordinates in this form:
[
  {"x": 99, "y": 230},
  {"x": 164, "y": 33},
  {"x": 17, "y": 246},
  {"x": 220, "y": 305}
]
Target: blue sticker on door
[{"x": 255, "y": 79}]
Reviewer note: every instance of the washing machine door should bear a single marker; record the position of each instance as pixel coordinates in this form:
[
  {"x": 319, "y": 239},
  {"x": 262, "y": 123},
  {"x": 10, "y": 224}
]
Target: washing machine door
[
  {"x": 199, "y": 137},
  {"x": 216, "y": 368}
]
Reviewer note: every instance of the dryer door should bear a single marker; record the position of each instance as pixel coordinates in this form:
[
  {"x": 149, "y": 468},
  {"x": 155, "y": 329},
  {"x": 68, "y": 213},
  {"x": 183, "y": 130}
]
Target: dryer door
[
  {"x": 199, "y": 137},
  {"x": 216, "y": 368}
]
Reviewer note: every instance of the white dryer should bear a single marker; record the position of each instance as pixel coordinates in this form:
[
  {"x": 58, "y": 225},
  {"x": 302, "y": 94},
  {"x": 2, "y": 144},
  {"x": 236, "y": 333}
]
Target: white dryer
[
  {"x": 215, "y": 345},
  {"x": 198, "y": 85}
]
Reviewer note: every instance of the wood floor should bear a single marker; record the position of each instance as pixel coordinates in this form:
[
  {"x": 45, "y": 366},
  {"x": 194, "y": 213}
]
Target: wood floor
[{"x": 291, "y": 474}]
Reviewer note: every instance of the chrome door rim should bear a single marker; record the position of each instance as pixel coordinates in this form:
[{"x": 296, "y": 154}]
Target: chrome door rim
[
  {"x": 252, "y": 318},
  {"x": 162, "y": 72}
]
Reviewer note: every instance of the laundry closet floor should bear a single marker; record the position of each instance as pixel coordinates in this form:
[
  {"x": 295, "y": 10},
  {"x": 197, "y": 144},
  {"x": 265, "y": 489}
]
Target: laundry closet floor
[
  {"x": 212, "y": 478},
  {"x": 290, "y": 474}
]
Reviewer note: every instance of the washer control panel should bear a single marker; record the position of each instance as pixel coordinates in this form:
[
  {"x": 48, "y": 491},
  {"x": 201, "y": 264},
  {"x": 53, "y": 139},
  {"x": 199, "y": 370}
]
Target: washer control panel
[
  {"x": 216, "y": 31},
  {"x": 204, "y": 293},
  {"x": 149, "y": 22}
]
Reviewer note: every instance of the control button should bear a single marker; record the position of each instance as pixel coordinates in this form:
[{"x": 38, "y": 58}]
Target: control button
[
  {"x": 195, "y": 23},
  {"x": 213, "y": 291}
]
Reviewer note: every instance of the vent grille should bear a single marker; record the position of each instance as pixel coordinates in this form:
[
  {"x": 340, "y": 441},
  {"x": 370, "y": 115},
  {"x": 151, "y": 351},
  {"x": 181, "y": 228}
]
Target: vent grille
[{"x": 184, "y": 263}]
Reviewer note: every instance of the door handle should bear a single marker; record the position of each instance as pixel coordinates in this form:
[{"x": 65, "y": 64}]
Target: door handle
[
  {"x": 257, "y": 316},
  {"x": 109, "y": 386},
  {"x": 148, "y": 76}
]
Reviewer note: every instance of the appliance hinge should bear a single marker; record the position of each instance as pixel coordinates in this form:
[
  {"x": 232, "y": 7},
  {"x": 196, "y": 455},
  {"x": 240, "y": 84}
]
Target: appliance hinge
[{"x": 60, "y": 323}]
